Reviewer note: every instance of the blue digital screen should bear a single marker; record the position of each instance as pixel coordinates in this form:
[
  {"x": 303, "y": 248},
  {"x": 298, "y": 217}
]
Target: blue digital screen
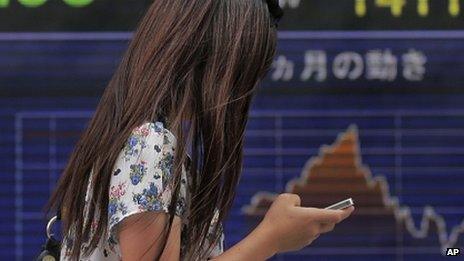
[{"x": 376, "y": 113}]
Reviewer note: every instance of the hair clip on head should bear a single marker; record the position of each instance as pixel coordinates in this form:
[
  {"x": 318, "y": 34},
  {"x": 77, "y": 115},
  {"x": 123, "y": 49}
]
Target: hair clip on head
[{"x": 275, "y": 10}]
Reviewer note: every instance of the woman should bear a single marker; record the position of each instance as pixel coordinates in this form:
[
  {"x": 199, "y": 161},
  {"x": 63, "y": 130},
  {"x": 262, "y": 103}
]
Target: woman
[{"x": 154, "y": 174}]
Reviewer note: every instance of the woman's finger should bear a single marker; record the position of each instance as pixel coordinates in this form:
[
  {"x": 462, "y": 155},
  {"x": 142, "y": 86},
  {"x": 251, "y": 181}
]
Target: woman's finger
[
  {"x": 327, "y": 227},
  {"x": 322, "y": 215}
]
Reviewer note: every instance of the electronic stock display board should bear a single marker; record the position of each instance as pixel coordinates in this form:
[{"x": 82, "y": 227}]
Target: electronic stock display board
[{"x": 373, "y": 86}]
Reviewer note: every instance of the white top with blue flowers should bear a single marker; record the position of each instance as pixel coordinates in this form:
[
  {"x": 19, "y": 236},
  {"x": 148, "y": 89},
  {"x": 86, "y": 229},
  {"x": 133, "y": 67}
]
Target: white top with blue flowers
[{"x": 141, "y": 181}]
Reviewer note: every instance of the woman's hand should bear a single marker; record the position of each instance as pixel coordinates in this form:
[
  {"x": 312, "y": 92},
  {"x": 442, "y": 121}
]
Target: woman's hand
[
  {"x": 291, "y": 227},
  {"x": 286, "y": 227}
]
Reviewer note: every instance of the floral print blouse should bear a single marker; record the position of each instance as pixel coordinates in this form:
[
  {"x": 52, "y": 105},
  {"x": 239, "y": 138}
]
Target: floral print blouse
[{"x": 141, "y": 181}]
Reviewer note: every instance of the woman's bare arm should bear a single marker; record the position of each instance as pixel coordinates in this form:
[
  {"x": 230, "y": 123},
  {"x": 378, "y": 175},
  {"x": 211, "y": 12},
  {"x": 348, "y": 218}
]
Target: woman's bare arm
[
  {"x": 256, "y": 246},
  {"x": 286, "y": 227},
  {"x": 138, "y": 240},
  {"x": 141, "y": 237}
]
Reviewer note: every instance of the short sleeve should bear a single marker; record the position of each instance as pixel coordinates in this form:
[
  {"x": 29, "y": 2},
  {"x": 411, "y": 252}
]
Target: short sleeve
[{"x": 142, "y": 175}]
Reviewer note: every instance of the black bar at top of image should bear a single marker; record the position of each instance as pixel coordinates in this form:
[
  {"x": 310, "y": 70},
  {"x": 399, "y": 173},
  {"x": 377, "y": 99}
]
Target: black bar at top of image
[{"x": 121, "y": 15}]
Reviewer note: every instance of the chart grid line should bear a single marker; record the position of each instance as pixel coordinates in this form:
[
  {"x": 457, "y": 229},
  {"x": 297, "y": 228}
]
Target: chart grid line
[{"x": 279, "y": 151}]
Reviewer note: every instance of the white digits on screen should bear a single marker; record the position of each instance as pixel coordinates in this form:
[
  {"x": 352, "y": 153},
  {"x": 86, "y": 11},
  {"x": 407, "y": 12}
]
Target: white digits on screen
[
  {"x": 283, "y": 69},
  {"x": 381, "y": 65},
  {"x": 290, "y": 3},
  {"x": 348, "y": 65},
  {"x": 414, "y": 65},
  {"x": 315, "y": 63}
]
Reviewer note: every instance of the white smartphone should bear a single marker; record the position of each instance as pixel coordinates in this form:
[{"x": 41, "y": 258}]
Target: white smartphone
[{"x": 342, "y": 204}]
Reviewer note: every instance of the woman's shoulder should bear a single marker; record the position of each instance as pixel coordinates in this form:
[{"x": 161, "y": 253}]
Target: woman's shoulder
[
  {"x": 149, "y": 134},
  {"x": 149, "y": 150},
  {"x": 153, "y": 128},
  {"x": 157, "y": 126},
  {"x": 143, "y": 178}
]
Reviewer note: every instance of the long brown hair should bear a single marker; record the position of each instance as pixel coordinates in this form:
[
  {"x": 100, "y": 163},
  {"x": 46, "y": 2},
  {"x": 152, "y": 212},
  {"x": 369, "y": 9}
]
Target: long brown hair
[{"x": 195, "y": 61}]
